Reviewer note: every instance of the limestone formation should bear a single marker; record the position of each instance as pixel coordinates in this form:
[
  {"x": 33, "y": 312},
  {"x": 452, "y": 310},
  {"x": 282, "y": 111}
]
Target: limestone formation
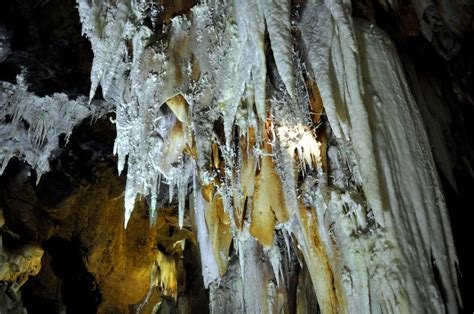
[{"x": 261, "y": 156}]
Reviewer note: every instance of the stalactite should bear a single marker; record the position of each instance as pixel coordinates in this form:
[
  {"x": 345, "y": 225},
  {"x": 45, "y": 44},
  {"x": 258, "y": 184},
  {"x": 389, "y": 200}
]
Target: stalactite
[
  {"x": 30, "y": 125},
  {"x": 258, "y": 152},
  {"x": 289, "y": 134}
]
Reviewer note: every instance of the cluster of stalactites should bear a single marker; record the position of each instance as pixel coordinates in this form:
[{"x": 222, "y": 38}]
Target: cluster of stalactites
[
  {"x": 211, "y": 63},
  {"x": 207, "y": 102},
  {"x": 30, "y": 126}
]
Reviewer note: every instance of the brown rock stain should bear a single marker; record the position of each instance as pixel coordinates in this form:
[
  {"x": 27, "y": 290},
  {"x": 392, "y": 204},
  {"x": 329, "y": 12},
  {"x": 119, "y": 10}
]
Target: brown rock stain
[{"x": 317, "y": 260}]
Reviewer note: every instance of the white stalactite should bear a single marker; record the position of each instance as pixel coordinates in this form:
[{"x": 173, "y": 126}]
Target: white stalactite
[
  {"x": 37, "y": 122},
  {"x": 200, "y": 105}
]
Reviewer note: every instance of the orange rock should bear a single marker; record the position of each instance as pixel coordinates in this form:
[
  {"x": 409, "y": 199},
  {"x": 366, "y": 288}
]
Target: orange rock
[{"x": 268, "y": 203}]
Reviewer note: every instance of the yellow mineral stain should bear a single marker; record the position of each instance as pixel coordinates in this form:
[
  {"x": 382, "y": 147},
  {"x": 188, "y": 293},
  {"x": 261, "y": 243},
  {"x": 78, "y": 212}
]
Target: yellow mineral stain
[
  {"x": 315, "y": 101},
  {"x": 317, "y": 261},
  {"x": 207, "y": 192},
  {"x": 215, "y": 156},
  {"x": 176, "y": 145},
  {"x": 268, "y": 202},
  {"x": 218, "y": 225},
  {"x": 167, "y": 280},
  {"x": 247, "y": 177},
  {"x": 179, "y": 106}
]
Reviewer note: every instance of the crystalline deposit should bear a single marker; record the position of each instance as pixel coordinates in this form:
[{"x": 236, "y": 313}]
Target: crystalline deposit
[
  {"x": 30, "y": 126},
  {"x": 207, "y": 102}
]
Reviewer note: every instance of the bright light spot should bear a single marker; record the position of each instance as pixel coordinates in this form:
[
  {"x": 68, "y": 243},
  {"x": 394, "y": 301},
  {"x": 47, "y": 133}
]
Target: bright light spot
[{"x": 301, "y": 141}]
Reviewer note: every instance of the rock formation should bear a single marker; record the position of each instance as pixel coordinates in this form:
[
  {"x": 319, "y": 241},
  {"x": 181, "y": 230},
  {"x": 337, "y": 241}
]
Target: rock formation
[{"x": 236, "y": 156}]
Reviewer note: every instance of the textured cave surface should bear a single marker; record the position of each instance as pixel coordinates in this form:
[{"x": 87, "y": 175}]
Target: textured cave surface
[{"x": 276, "y": 156}]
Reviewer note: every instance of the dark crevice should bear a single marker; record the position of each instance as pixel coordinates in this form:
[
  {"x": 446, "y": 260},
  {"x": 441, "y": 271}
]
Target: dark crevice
[
  {"x": 47, "y": 46},
  {"x": 78, "y": 287}
]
